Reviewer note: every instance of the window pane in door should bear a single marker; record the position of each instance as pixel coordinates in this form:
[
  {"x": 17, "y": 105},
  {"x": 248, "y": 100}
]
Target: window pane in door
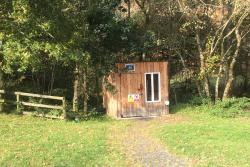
[
  {"x": 156, "y": 87},
  {"x": 148, "y": 87}
]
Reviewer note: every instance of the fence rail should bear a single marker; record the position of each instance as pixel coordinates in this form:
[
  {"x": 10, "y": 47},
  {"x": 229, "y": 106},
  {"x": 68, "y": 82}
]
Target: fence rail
[
  {"x": 19, "y": 103},
  {"x": 39, "y": 96}
]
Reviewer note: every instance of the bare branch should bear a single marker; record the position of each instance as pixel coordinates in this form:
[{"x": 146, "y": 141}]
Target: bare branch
[
  {"x": 244, "y": 35},
  {"x": 209, "y": 4},
  {"x": 228, "y": 50}
]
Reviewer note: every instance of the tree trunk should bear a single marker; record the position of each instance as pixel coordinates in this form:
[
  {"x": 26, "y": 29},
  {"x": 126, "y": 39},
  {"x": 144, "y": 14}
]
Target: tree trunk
[
  {"x": 44, "y": 82},
  {"x": 218, "y": 79},
  {"x": 97, "y": 90},
  {"x": 145, "y": 11},
  {"x": 175, "y": 96},
  {"x": 217, "y": 84},
  {"x": 52, "y": 79},
  {"x": 129, "y": 9},
  {"x": 207, "y": 86},
  {"x": 76, "y": 90},
  {"x": 198, "y": 88},
  {"x": 230, "y": 80},
  {"x": 83, "y": 87},
  {"x": 246, "y": 72},
  {"x": 1, "y": 87},
  {"x": 147, "y": 19},
  {"x": 85, "y": 91},
  {"x": 203, "y": 66}
]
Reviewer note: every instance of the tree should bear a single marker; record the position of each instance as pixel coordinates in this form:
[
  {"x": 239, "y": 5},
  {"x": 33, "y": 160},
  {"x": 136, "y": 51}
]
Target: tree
[
  {"x": 70, "y": 33},
  {"x": 241, "y": 11},
  {"x": 215, "y": 35}
]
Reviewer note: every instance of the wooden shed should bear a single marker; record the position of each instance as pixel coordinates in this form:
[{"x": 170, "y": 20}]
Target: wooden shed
[{"x": 141, "y": 90}]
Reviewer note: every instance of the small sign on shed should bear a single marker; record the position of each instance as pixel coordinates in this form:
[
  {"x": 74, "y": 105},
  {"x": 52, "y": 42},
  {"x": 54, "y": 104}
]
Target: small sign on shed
[
  {"x": 133, "y": 98},
  {"x": 136, "y": 97},
  {"x": 130, "y": 98}
]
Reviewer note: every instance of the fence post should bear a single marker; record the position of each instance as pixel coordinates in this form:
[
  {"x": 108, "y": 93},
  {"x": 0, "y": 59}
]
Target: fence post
[
  {"x": 64, "y": 108},
  {"x": 18, "y": 104}
]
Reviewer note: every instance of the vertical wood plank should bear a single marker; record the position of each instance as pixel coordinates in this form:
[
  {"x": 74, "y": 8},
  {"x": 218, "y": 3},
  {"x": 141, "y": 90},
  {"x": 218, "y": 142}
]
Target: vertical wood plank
[
  {"x": 124, "y": 94},
  {"x": 163, "y": 84},
  {"x": 18, "y": 104},
  {"x": 1, "y": 103},
  {"x": 146, "y": 70},
  {"x": 64, "y": 108},
  {"x": 116, "y": 95},
  {"x": 167, "y": 86}
]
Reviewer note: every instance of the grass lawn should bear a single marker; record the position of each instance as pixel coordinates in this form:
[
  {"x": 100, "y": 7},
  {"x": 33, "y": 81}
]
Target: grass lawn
[
  {"x": 208, "y": 140},
  {"x": 28, "y": 141}
]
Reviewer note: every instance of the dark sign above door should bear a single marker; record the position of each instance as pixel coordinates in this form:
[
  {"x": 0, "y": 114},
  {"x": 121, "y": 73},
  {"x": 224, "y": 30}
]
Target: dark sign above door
[{"x": 130, "y": 67}]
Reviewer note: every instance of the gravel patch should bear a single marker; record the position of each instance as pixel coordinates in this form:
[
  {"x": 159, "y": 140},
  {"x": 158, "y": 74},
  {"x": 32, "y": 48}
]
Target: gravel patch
[{"x": 142, "y": 150}]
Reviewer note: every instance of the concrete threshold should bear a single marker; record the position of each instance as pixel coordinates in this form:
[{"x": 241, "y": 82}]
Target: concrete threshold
[{"x": 138, "y": 117}]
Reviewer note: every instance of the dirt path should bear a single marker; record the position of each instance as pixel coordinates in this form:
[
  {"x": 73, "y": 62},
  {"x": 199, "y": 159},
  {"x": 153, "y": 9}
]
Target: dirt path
[{"x": 141, "y": 149}]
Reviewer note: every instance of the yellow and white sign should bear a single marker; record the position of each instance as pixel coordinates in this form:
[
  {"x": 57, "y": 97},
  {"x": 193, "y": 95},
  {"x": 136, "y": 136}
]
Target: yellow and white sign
[
  {"x": 130, "y": 98},
  {"x": 133, "y": 97}
]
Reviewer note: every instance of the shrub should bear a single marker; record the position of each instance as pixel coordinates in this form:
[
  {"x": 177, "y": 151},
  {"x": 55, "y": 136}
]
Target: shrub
[
  {"x": 197, "y": 101},
  {"x": 231, "y": 108},
  {"x": 92, "y": 114}
]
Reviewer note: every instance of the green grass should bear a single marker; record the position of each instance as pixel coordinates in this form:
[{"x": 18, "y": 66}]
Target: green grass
[
  {"x": 208, "y": 140},
  {"x": 29, "y": 141}
]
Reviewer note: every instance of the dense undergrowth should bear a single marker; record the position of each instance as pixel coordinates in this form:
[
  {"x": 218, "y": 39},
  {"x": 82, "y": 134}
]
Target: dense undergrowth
[{"x": 230, "y": 108}]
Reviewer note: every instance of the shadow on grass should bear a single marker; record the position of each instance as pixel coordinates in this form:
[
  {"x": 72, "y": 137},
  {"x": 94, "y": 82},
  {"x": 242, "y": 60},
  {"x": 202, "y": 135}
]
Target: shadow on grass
[
  {"x": 90, "y": 116},
  {"x": 71, "y": 116},
  {"x": 181, "y": 107}
]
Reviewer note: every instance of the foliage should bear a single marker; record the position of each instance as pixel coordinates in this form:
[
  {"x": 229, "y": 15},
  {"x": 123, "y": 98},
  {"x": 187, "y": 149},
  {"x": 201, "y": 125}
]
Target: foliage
[
  {"x": 229, "y": 108},
  {"x": 232, "y": 108},
  {"x": 43, "y": 42},
  {"x": 197, "y": 101},
  {"x": 44, "y": 39}
]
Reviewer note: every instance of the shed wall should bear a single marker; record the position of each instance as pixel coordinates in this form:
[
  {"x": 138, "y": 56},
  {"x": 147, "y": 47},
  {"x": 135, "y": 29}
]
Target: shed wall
[{"x": 126, "y": 83}]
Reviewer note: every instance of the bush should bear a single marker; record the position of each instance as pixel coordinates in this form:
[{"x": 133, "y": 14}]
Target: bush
[
  {"x": 92, "y": 114},
  {"x": 231, "y": 108},
  {"x": 197, "y": 101}
]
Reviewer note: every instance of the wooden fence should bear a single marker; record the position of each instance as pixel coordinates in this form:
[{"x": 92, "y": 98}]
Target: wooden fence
[
  {"x": 20, "y": 103},
  {"x": 2, "y": 92}
]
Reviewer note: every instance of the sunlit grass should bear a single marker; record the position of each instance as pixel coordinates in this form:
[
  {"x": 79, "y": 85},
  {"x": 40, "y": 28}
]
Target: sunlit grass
[
  {"x": 28, "y": 141},
  {"x": 209, "y": 140}
]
